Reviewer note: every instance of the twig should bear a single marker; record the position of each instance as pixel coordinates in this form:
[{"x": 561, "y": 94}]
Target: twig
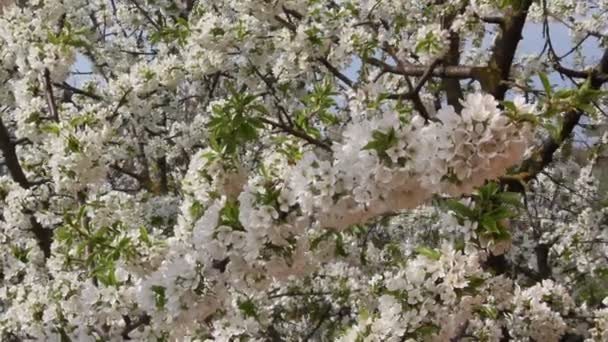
[
  {"x": 146, "y": 14},
  {"x": 322, "y": 319},
  {"x": 296, "y": 133},
  {"x": 336, "y": 72},
  {"x": 427, "y": 74},
  {"x": 68, "y": 87},
  {"x": 121, "y": 102},
  {"x": 50, "y": 98},
  {"x": 130, "y": 326}
]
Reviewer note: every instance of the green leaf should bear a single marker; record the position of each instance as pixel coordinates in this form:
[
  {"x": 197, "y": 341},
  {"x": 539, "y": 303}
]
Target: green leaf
[
  {"x": 382, "y": 142},
  {"x": 429, "y": 253},
  {"x": 475, "y": 282},
  {"x": 427, "y": 330},
  {"x": 20, "y": 253},
  {"x": 340, "y": 248},
  {"x": 564, "y": 93},
  {"x": 488, "y": 191},
  {"x": 51, "y": 128},
  {"x": 248, "y": 308},
  {"x": 487, "y": 311},
  {"x": 527, "y": 117},
  {"x": 63, "y": 234},
  {"x": 144, "y": 236},
  {"x": 500, "y": 213},
  {"x": 196, "y": 210},
  {"x": 460, "y": 209},
  {"x": 159, "y": 296},
  {"x": 229, "y": 215},
  {"x": 509, "y": 106},
  {"x": 511, "y": 198},
  {"x": 490, "y": 225},
  {"x": 546, "y": 84},
  {"x": 73, "y": 144},
  {"x": 328, "y": 119}
]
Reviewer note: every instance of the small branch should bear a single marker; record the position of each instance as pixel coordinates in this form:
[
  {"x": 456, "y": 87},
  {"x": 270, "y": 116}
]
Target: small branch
[
  {"x": 145, "y": 14},
  {"x": 163, "y": 173},
  {"x": 296, "y": 133},
  {"x": 461, "y": 332},
  {"x": 131, "y": 326},
  {"x": 336, "y": 72},
  {"x": 10, "y": 158},
  {"x": 139, "y": 53},
  {"x": 22, "y": 141},
  {"x": 322, "y": 319},
  {"x": 293, "y": 13},
  {"x": 68, "y": 87},
  {"x": 121, "y": 102},
  {"x": 299, "y": 294},
  {"x": 414, "y": 91},
  {"x": 426, "y": 75},
  {"x": 493, "y": 20},
  {"x": 286, "y": 23},
  {"x": 131, "y": 174},
  {"x": 579, "y": 73},
  {"x": 50, "y": 98}
]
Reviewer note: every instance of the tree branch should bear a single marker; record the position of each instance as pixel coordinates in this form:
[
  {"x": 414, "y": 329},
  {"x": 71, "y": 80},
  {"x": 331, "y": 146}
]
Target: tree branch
[
  {"x": 453, "y": 71},
  {"x": 43, "y": 236},
  {"x": 146, "y": 15},
  {"x": 296, "y": 133},
  {"x": 70, "y": 88},
  {"x": 130, "y": 326},
  {"x": 50, "y": 98},
  {"x": 544, "y": 155},
  {"x": 336, "y": 72},
  {"x": 452, "y": 87},
  {"x": 504, "y": 50}
]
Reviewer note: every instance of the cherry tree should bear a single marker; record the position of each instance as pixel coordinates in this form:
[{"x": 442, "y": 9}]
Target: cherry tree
[{"x": 306, "y": 170}]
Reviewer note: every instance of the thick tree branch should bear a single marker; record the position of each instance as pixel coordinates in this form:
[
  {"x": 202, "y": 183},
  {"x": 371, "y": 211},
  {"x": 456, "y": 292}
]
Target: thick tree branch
[
  {"x": 594, "y": 74},
  {"x": 163, "y": 175},
  {"x": 534, "y": 165},
  {"x": 454, "y": 71},
  {"x": 451, "y": 86},
  {"x": 43, "y": 236},
  {"x": 504, "y": 50},
  {"x": 426, "y": 75},
  {"x": 493, "y": 20},
  {"x": 10, "y": 158},
  {"x": 415, "y": 90}
]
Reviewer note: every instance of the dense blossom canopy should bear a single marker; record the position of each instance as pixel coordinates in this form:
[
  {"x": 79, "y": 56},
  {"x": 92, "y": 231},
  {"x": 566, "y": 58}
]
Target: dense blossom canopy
[{"x": 285, "y": 170}]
